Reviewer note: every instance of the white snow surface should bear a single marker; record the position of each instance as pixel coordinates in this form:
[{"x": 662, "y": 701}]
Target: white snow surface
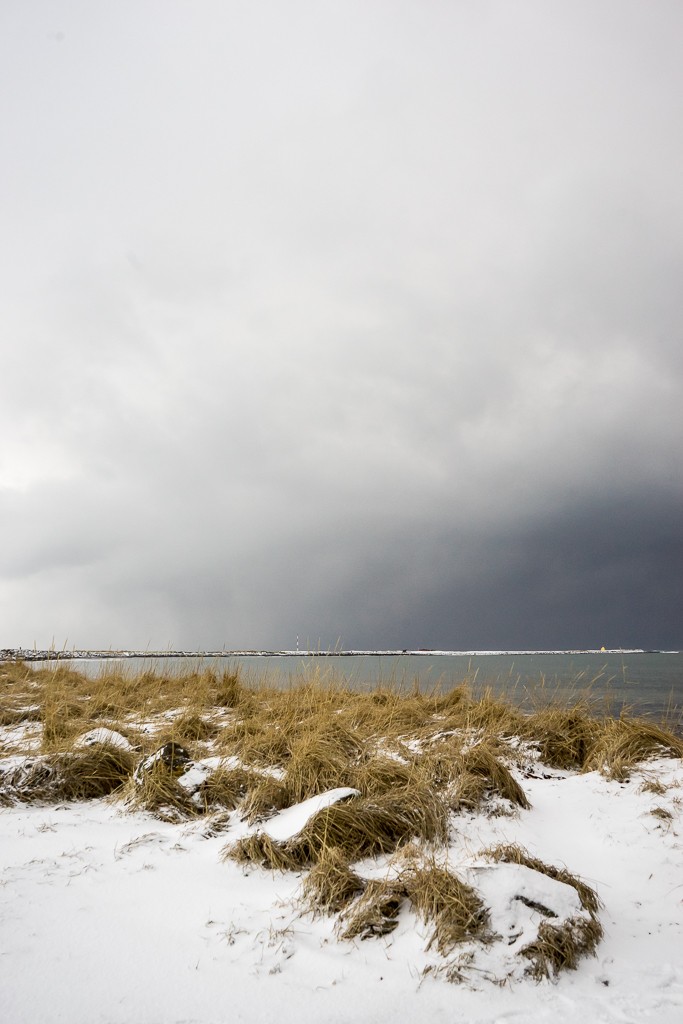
[{"x": 108, "y": 917}]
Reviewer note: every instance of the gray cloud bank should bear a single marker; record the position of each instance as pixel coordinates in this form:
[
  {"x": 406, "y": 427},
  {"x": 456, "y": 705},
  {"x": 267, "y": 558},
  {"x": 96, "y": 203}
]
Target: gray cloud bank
[{"x": 360, "y": 322}]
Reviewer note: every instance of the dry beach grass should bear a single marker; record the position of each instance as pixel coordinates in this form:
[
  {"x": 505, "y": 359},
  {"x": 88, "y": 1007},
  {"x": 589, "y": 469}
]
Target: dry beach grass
[{"x": 205, "y": 745}]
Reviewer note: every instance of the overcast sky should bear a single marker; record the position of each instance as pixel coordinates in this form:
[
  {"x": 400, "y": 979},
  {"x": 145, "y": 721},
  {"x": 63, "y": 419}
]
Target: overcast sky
[{"x": 357, "y": 321}]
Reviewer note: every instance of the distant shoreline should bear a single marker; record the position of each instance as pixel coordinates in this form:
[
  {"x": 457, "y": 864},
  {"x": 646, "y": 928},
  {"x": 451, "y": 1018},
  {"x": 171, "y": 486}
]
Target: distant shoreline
[{"x": 20, "y": 654}]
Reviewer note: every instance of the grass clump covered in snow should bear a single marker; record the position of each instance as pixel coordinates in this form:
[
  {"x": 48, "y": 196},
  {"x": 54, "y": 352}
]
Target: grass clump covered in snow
[
  {"x": 359, "y": 827},
  {"x": 511, "y": 853},
  {"x": 75, "y": 775},
  {"x": 558, "y": 946}
]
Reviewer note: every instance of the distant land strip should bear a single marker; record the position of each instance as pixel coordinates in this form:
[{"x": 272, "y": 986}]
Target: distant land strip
[{"x": 22, "y": 654}]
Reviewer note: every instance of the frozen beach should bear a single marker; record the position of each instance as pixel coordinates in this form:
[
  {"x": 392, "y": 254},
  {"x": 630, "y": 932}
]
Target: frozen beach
[{"x": 116, "y": 915}]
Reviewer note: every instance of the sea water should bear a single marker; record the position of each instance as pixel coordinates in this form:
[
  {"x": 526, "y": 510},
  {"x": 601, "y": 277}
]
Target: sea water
[{"x": 648, "y": 684}]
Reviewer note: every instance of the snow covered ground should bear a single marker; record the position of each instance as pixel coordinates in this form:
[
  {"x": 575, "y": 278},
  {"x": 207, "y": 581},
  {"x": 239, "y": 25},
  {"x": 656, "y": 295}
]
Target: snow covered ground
[{"x": 112, "y": 917}]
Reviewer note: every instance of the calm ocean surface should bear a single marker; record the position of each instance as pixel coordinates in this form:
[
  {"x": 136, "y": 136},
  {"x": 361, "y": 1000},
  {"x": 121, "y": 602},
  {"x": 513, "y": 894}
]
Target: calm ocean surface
[{"x": 651, "y": 684}]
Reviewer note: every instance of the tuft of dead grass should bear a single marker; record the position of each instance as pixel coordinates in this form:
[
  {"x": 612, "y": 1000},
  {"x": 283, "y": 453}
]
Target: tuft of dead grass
[
  {"x": 580, "y": 739},
  {"x": 375, "y": 912},
  {"x": 467, "y": 792},
  {"x": 565, "y": 737},
  {"x": 259, "y": 848},
  {"x": 76, "y": 775},
  {"x": 440, "y": 763},
  {"x": 662, "y": 813},
  {"x": 653, "y": 786},
  {"x": 440, "y": 897},
  {"x": 491, "y": 715},
  {"x": 229, "y": 692},
  {"x": 17, "y": 715},
  {"x": 474, "y": 774},
  {"x": 266, "y": 795},
  {"x": 560, "y": 947},
  {"x": 257, "y": 741},
  {"x": 93, "y": 773},
  {"x": 193, "y": 727},
  {"x": 154, "y": 785},
  {"x": 317, "y": 762},
  {"x": 216, "y": 824},
  {"x": 382, "y": 774},
  {"x": 454, "y": 700},
  {"x": 624, "y": 743},
  {"x": 225, "y": 788},
  {"x": 331, "y": 884},
  {"x": 480, "y": 760},
  {"x": 158, "y": 792},
  {"x": 365, "y": 826}
]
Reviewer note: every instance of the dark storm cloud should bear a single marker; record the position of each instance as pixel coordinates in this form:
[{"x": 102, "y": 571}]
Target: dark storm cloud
[
  {"x": 355, "y": 322},
  {"x": 603, "y": 575}
]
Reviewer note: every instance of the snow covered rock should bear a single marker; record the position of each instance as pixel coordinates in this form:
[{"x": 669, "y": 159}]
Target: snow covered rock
[
  {"x": 171, "y": 755},
  {"x": 103, "y": 737}
]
